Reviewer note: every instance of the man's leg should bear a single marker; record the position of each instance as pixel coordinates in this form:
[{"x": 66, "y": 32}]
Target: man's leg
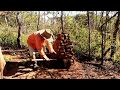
[{"x": 31, "y": 50}]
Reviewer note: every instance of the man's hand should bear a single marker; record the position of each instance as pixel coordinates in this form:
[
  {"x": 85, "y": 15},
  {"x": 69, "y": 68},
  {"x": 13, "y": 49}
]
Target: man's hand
[
  {"x": 47, "y": 59},
  {"x": 42, "y": 53},
  {"x": 53, "y": 52},
  {"x": 50, "y": 48}
]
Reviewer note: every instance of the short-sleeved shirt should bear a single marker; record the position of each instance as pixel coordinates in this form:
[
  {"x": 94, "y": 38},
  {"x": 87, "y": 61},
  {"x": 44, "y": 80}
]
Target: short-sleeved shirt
[{"x": 36, "y": 41}]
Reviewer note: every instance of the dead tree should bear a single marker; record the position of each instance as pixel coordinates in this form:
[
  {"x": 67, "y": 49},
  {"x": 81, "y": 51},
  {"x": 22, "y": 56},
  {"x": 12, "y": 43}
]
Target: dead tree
[
  {"x": 113, "y": 46},
  {"x": 20, "y": 28}
]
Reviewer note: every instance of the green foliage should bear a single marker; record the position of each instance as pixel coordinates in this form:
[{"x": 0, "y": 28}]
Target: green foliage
[
  {"x": 81, "y": 20},
  {"x": 8, "y": 38},
  {"x": 24, "y": 40}
]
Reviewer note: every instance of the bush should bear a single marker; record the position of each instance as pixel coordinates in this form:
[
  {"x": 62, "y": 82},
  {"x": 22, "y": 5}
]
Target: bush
[{"x": 8, "y": 38}]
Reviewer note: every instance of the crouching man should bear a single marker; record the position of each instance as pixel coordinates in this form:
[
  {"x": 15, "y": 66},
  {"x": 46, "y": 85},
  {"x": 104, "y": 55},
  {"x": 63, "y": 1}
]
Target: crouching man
[{"x": 38, "y": 40}]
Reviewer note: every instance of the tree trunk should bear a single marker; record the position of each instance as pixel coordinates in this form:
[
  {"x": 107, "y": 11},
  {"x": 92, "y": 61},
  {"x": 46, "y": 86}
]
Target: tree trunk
[
  {"x": 92, "y": 20},
  {"x": 101, "y": 19},
  {"x": 38, "y": 21},
  {"x": 53, "y": 18},
  {"x": 96, "y": 24},
  {"x": 105, "y": 29},
  {"x": 102, "y": 26},
  {"x": 44, "y": 20},
  {"x": 6, "y": 20},
  {"x": 88, "y": 16},
  {"x": 20, "y": 28},
  {"x": 113, "y": 46},
  {"x": 62, "y": 22},
  {"x": 102, "y": 32}
]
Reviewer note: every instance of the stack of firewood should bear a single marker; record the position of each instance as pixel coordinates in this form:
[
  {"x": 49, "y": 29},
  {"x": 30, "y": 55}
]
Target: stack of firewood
[{"x": 65, "y": 49}]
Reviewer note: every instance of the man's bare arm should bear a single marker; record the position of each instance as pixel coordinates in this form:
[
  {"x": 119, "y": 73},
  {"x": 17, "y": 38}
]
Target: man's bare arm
[
  {"x": 50, "y": 48},
  {"x": 42, "y": 53}
]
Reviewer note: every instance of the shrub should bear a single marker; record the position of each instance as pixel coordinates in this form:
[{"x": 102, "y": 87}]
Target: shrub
[{"x": 8, "y": 38}]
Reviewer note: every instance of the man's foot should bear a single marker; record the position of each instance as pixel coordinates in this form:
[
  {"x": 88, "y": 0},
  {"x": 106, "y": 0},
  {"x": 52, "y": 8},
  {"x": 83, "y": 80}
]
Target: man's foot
[{"x": 35, "y": 67}]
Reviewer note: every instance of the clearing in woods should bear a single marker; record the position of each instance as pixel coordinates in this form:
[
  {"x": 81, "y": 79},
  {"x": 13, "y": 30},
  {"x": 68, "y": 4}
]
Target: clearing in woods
[{"x": 78, "y": 70}]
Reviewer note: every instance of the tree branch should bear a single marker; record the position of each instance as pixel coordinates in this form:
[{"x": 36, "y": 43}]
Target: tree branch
[{"x": 109, "y": 19}]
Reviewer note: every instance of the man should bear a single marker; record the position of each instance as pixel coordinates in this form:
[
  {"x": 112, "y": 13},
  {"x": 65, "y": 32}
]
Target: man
[{"x": 39, "y": 40}]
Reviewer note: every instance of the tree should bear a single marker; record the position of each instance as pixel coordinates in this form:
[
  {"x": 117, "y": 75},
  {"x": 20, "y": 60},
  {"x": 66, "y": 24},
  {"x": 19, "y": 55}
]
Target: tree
[
  {"x": 101, "y": 28},
  {"x": 89, "y": 28},
  {"x": 113, "y": 46},
  {"x": 38, "y": 21},
  {"x": 20, "y": 28}
]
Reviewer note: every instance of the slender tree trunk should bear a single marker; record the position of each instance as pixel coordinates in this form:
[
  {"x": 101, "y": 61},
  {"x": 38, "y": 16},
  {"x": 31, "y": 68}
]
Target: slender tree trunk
[
  {"x": 88, "y": 16},
  {"x": 62, "y": 22},
  {"x": 101, "y": 19},
  {"x": 96, "y": 24},
  {"x": 38, "y": 21},
  {"x": 105, "y": 29},
  {"x": 44, "y": 19},
  {"x": 53, "y": 18},
  {"x": 102, "y": 32},
  {"x": 92, "y": 20},
  {"x": 102, "y": 28},
  {"x": 6, "y": 20},
  {"x": 20, "y": 28},
  {"x": 113, "y": 46}
]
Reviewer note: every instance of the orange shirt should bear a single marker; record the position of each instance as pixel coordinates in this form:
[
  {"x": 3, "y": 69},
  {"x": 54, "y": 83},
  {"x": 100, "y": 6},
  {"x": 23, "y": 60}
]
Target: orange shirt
[{"x": 36, "y": 41}]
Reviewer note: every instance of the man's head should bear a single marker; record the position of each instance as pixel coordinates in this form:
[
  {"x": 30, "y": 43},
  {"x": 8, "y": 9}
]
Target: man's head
[{"x": 47, "y": 34}]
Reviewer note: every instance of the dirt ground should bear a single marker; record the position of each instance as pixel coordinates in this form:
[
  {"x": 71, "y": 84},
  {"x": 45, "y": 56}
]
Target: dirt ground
[{"x": 78, "y": 70}]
